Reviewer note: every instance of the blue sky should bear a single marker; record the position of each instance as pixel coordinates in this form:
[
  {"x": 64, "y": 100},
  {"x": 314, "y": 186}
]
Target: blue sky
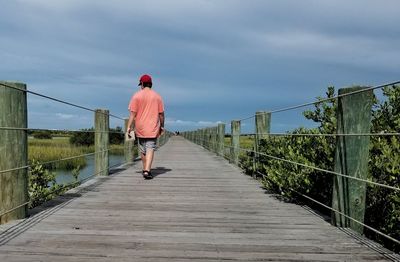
[{"x": 211, "y": 60}]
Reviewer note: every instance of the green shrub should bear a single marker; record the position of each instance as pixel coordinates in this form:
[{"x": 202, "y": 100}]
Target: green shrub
[
  {"x": 83, "y": 138},
  {"x": 42, "y": 135},
  {"x": 117, "y": 136},
  {"x": 86, "y": 137},
  {"x": 46, "y": 150},
  {"x": 42, "y": 184},
  {"x": 382, "y": 205}
]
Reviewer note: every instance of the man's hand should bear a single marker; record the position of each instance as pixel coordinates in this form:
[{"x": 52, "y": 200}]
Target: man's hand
[
  {"x": 128, "y": 132},
  {"x": 162, "y": 131}
]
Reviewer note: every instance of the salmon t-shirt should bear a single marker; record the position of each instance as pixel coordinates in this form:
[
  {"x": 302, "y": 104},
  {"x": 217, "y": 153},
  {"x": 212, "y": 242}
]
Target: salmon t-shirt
[{"x": 148, "y": 105}]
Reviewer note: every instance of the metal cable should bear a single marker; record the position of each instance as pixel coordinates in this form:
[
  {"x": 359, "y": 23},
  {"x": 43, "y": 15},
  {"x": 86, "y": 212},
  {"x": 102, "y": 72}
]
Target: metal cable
[
  {"x": 51, "y": 162},
  {"x": 323, "y": 100},
  {"x": 323, "y": 170},
  {"x": 246, "y": 118},
  {"x": 58, "y": 100},
  {"x": 59, "y": 130},
  {"x": 336, "y": 211},
  {"x": 11, "y": 210},
  {"x": 315, "y": 168},
  {"x": 352, "y": 219},
  {"x": 332, "y": 98},
  {"x": 59, "y": 189},
  {"x": 329, "y": 135},
  {"x": 76, "y": 182}
]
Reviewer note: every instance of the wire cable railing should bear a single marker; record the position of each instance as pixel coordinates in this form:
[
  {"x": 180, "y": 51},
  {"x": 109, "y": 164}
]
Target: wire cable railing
[
  {"x": 210, "y": 144},
  {"x": 57, "y": 100},
  {"x": 327, "y": 135},
  {"x": 60, "y": 130},
  {"x": 311, "y": 167},
  {"x": 60, "y": 189},
  {"x": 52, "y": 162},
  {"x": 318, "y": 169},
  {"x": 323, "y": 100},
  {"x": 29, "y": 167}
]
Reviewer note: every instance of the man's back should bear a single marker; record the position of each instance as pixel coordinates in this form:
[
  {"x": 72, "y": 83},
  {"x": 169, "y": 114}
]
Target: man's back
[{"x": 147, "y": 104}]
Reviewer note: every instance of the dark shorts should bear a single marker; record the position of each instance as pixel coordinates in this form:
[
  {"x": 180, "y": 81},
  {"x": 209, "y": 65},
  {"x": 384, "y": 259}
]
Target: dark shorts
[{"x": 147, "y": 143}]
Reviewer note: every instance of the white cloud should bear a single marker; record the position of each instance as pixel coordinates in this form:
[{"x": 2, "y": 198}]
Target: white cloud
[
  {"x": 65, "y": 116},
  {"x": 210, "y": 59},
  {"x": 185, "y": 123}
]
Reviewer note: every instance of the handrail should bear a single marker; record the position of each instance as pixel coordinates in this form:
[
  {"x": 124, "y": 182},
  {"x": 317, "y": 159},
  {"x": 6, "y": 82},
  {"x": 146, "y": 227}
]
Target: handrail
[
  {"x": 59, "y": 130},
  {"x": 324, "y": 100},
  {"x": 58, "y": 190},
  {"x": 57, "y": 100},
  {"x": 311, "y": 167},
  {"x": 29, "y": 167},
  {"x": 210, "y": 138}
]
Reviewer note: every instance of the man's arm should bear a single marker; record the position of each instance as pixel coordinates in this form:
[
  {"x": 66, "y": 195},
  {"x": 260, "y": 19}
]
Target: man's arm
[
  {"x": 131, "y": 121},
  {"x": 162, "y": 119}
]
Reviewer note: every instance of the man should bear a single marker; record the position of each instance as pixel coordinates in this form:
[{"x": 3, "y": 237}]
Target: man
[{"x": 147, "y": 114}]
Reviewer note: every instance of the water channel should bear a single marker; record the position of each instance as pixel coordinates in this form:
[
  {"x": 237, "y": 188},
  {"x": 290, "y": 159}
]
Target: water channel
[{"x": 65, "y": 177}]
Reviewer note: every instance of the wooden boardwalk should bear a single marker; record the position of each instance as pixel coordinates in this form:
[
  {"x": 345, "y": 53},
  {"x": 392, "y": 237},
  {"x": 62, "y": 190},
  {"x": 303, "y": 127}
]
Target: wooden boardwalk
[{"x": 198, "y": 208}]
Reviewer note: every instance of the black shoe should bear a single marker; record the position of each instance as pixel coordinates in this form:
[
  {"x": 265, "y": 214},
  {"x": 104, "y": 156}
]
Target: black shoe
[{"x": 147, "y": 175}]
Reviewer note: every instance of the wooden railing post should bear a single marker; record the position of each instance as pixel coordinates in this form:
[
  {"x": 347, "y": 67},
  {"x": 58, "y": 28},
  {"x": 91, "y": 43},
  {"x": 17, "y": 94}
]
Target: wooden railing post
[
  {"x": 221, "y": 139},
  {"x": 204, "y": 137},
  {"x": 101, "y": 142},
  {"x": 129, "y": 152},
  {"x": 235, "y": 141},
  {"x": 351, "y": 157},
  {"x": 262, "y": 129},
  {"x": 198, "y": 136},
  {"x": 13, "y": 152},
  {"x": 214, "y": 139},
  {"x": 207, "y": 139}
]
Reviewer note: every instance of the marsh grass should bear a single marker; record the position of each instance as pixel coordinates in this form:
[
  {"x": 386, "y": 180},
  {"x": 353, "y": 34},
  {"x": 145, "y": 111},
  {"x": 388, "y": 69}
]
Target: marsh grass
[
  {"x": 246, "y": 141},
  {"x": 45, "y": 150}
]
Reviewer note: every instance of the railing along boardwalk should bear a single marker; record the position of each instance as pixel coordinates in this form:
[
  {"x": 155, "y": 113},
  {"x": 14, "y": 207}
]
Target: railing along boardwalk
[{"x": 197, "y": 208}]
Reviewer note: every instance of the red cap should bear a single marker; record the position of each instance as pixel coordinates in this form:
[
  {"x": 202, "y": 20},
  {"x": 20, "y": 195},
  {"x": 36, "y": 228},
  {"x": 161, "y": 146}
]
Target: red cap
[{"x": 144, "y": 79}]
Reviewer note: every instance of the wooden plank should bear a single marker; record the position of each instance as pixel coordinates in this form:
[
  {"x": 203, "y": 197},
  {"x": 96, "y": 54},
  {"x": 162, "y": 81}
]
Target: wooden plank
[{"x": 198, "y": 208}]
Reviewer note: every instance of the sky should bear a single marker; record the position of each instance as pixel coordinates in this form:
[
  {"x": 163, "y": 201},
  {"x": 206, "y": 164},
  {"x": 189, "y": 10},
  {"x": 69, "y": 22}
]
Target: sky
[{"x": 212, "y": 61}]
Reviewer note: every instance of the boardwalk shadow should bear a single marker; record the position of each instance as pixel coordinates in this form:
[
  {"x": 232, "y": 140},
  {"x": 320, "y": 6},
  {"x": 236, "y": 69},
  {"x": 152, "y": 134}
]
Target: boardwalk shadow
[
  {"x": 160, "y": 171},
  {"x": 157, "y": 171}
]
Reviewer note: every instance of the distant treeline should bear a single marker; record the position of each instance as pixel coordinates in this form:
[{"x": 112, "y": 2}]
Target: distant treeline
[{"x": 85, "y": 137}]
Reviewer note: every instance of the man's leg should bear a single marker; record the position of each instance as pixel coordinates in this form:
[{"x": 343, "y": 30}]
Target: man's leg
[
  {"x": 143, "y": 157},
  {"x": 148, "y": 159},
  {"x": 142, "y": 150}
]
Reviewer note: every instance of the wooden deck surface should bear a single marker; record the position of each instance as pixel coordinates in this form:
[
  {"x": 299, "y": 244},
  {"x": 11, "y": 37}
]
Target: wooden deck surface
[{"x": 198, "y": 208}]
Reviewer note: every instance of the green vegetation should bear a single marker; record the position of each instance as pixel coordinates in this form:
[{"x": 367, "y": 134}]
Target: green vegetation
[
  {"x": 83, "y": 138},
  {"x": 42, "y": 182},
  {"x": 246, "y": 141},
  {"x": 42, "y": 185},
  {"x": 383, "y": 205},
  {"x": 42, "y": 134},
  {"x": 45, "y": 150},
  {"x": 86, "y": 137}
]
